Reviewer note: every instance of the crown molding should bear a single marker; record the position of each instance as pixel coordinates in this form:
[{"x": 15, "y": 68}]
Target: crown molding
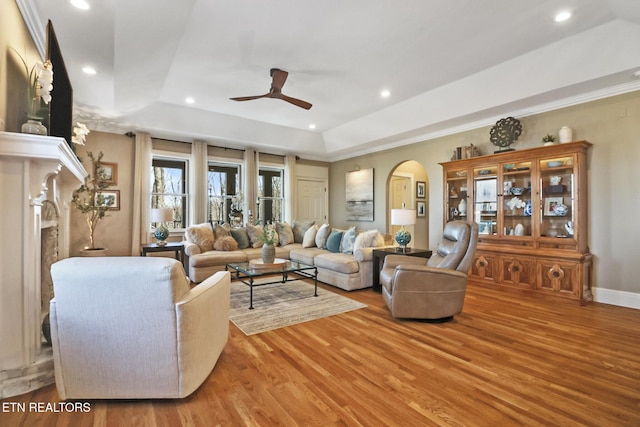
[
  {"x": 32, "y": 21},
  {"x": 489, "y": 121}
]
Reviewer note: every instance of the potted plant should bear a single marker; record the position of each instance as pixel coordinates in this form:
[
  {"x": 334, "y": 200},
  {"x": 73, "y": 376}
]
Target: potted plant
[
  {"x": 548, "y": 139},
  {"x": 268, "y": 239},
  {"x": 89, "y": 200}
]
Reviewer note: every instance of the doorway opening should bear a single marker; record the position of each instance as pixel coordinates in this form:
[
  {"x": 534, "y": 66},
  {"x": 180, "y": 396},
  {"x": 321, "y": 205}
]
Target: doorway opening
[{"x": 408, "y": 184}]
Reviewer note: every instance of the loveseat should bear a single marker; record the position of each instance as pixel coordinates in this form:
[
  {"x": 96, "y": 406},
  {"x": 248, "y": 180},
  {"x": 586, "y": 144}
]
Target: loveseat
[{"x": 343, "y": 257}]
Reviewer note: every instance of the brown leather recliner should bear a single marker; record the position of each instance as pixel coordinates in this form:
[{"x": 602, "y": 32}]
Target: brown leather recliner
[{"x": 431, "y": 289}]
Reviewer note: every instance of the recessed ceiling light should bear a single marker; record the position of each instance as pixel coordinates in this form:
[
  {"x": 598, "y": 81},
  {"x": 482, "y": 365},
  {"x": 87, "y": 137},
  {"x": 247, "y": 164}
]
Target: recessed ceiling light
[
  {"x": 312, "y": 126},
  {"x": 563, "y": 16},
  {"x": 637, "y": 74},
  {"x": 385, "y": 93},
  {"x": 189, "y": 100},
  {"x": 80, "y": 4},
  {"x": 89, "y": 70}
]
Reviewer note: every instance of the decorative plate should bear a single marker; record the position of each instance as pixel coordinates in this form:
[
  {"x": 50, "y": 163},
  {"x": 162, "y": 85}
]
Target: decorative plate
[{"x": 505, "y": 132}]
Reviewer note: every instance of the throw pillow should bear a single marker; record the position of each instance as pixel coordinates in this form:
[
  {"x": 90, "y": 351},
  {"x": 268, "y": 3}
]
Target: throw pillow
[
  {"x": 220, "y": 231},
  {"x": 299, "y": 228},
  {"x": 322, "y": 235},
  {"x": 285, "y": 233},
  {"x": 240, "y": 235},
  {"x": 225, "y": 243},
  {"x": 255, "y": 235},
  {"x": 348, "y": 240},
  {"x": 333, "y": 241},
  {"x": 368, "y": 239},
  {"x": 201, "y": 235},
  {"x": 309, "y": 239}
]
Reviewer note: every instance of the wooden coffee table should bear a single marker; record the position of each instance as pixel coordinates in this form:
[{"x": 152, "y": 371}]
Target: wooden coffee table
[{"x": 247, "y": 272}]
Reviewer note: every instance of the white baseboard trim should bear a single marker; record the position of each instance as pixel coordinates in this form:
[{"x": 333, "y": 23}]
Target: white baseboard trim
[{"x": 621, "y": 298}]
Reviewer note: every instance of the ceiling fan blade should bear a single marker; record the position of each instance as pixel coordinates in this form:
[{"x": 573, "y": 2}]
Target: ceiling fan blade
[
  {"x": 298, "y": 102},
  {"x": 249, "y": 98},
  {"x": 278, "y": 78}
]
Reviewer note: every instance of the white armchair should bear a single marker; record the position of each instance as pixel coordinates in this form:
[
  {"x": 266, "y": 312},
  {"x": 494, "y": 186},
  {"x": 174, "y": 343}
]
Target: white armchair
[{"x": 131, "y": 327}]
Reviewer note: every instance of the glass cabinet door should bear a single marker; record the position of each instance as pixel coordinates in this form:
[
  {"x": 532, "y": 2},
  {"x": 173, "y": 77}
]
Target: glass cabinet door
[
  {"x": 456, "y": 195},
  {"x": 557, "y": 195},
  {"x": 517, "y": 199},
  {"x": 485, "y": 199}
]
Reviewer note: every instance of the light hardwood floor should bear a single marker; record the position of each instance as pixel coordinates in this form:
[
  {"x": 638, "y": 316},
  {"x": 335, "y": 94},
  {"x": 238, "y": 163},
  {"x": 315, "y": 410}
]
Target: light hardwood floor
[{"x": 506, "y": 360}]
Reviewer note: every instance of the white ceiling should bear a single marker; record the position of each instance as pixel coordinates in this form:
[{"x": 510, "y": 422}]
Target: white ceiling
[{"x": 449, "y": 64}]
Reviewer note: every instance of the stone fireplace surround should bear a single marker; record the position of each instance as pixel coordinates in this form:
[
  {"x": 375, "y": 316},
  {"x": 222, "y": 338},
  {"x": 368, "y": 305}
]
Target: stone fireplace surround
[{"x": 37, "y": 177}]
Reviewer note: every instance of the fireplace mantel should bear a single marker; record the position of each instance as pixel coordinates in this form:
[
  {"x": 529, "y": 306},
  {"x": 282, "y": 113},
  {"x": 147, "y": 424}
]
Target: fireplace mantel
[{"x": 33, "y": 169}]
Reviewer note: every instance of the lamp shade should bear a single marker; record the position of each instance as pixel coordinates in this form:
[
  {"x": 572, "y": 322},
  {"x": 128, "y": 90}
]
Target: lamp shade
[
  {"x": 161, "y": 215},
  {"x": 403, "y": 216}
]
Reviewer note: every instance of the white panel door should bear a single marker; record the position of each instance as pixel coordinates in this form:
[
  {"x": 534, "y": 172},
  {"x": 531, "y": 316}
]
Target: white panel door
[{"x": 312, "y": 200}]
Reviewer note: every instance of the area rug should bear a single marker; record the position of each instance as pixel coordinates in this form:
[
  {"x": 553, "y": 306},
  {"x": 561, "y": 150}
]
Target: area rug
[{"x": 284, "y": 304}]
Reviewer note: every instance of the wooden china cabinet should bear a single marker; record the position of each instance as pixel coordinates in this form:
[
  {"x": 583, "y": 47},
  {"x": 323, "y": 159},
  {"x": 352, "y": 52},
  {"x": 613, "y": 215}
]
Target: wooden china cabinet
[{"x": 531, "y": 210}]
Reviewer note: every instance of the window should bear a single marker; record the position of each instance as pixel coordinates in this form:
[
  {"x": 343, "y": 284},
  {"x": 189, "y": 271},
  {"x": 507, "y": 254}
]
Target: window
[
  {"x": 169, "y": 189},
  {"x": 271, "y": 195},
  {"x": 224, "y": 197}
]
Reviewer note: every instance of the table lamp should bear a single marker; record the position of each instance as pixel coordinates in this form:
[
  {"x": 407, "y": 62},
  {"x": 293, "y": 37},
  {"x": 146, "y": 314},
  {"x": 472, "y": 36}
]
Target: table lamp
[
  {"x": 160, "y": 216},
  {"x": 403, "y": 217}
]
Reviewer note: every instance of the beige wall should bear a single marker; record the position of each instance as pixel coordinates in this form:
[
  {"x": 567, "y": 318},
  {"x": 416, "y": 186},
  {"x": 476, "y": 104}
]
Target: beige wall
[
  {"x": 13, "y": 79},
  {"x": 114, "y": 231},
  {"x": 612, "y": 125}
]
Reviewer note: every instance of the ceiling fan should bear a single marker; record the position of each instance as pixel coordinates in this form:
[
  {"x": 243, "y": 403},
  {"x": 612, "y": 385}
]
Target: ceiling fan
[{"x": 278, "y": 77}]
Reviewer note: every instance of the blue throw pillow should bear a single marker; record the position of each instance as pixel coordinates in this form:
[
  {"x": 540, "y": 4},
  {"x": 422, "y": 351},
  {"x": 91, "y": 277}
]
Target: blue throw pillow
[{"x": 333, "y": 241}]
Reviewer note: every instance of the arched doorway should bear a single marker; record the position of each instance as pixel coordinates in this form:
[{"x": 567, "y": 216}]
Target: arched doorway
[{"x": 402, "y": 187}]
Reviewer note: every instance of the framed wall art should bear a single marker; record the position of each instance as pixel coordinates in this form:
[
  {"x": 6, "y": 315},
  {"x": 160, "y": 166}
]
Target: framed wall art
[
  {"x": 421, "y": 208},
  {"x": 110, "y": 171},
  {"x": 113, "y": 197},
  {"x": 421, "y": 189},
  {"x": 359, "y": 195}
]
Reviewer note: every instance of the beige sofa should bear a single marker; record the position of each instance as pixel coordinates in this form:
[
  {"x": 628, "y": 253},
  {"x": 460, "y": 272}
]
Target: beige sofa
[{"x": 348, "y": 271}]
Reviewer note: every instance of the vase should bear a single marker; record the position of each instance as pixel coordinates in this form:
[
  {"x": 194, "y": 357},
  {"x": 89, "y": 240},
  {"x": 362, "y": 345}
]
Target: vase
[
  {"x": 462, "y": 207},
  {"x": 34, "y": 127},
  {"x": 566, "y": 134},
  {"x": 268, "y": 254}
]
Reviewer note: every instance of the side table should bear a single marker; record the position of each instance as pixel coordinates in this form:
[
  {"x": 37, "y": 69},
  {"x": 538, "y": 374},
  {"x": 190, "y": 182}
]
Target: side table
[
  {"x": 380, "y": 254},
  {"x": 176, "y": 247}
]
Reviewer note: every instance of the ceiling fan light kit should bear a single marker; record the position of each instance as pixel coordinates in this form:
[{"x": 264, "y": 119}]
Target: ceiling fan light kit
[{"x": 278, "y": 77}]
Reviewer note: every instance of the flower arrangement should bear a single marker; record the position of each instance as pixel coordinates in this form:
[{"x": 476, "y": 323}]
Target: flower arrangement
[
  {"x": 40, "y": 78},
  {"x": 268, "y": 235},
  {"x": 80, "y": 133},
  {"x": 548, "y": 138}
]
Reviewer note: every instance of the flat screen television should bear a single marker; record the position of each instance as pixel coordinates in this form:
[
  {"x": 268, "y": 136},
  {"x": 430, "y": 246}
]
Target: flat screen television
[{"x": 61, "y": 105}]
